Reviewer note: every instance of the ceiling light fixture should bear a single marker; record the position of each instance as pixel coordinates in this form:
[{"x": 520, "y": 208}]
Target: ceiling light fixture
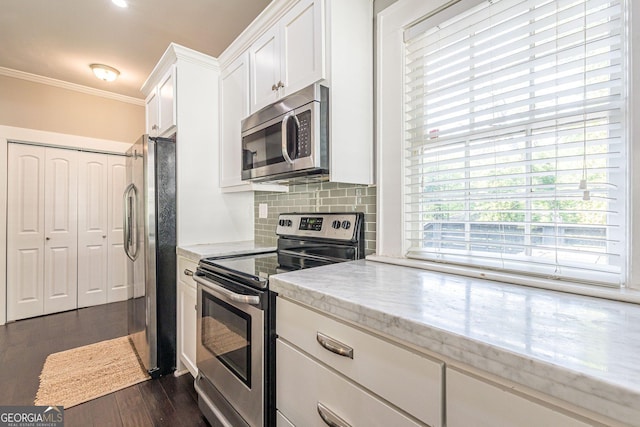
[
  {"x": 104, "y": 72},
  {"x": 120, "y": 3}
]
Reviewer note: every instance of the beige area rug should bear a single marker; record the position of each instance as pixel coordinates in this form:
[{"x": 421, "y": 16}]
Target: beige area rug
[{"x": 75, "y": 376}]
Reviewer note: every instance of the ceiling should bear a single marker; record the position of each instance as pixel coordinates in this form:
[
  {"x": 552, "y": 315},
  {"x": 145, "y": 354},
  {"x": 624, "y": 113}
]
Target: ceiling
[{"x": 60, "y": 38}]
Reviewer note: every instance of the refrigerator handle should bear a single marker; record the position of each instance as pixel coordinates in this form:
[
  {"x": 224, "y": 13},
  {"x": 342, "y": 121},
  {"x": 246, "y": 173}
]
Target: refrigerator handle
[{"x": 129, "y": 218}]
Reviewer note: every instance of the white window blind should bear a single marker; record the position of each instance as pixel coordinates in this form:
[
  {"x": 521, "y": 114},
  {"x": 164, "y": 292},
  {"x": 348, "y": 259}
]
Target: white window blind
[{"x": 515, "y": 139}]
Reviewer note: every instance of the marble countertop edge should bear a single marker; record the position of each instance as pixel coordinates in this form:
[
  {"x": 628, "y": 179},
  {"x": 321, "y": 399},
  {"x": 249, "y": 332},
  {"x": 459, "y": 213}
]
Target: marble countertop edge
[
  {"x": 196, "y": 252},
  {"x": 614, "y": 400}
]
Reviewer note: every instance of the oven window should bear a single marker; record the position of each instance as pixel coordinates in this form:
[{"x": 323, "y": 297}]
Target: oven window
[{"x": 226, "y": 333}]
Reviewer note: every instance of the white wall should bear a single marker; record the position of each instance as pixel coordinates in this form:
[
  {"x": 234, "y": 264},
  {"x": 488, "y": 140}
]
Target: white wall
[{"x": 7, "y": 134}]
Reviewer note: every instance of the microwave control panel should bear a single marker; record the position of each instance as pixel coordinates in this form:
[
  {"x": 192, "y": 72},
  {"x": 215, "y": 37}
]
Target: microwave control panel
[
  {"x": 304, "y": 134},
  {"x": 342, "y": 226}
]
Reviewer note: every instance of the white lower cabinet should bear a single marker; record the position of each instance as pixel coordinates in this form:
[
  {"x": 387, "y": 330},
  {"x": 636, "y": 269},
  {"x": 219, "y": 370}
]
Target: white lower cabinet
[
  {"x": 378, "y": 373},
  {"x": 187, "y": 316},
  {"x": 474, "y": 402},
  {"x": 308, "y": 392}
]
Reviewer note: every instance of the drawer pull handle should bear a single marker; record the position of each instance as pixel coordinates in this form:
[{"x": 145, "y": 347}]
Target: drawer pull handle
[
  {"x": 334, "y": 346},
  {"x": 188, "y": 272},
  {"x": 330, "y": 418}
]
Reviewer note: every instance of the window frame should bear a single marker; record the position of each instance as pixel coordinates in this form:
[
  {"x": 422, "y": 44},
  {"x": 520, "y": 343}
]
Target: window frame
[{"x": 391, "y": 244}]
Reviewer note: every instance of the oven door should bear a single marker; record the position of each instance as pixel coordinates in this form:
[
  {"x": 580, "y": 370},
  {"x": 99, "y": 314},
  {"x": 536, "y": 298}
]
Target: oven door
[{"x": 230, "y": 347}]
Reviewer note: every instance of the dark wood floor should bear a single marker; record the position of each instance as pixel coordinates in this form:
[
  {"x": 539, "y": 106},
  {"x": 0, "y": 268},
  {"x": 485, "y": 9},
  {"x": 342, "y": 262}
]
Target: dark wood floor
[{"x": 25, "y": 344}]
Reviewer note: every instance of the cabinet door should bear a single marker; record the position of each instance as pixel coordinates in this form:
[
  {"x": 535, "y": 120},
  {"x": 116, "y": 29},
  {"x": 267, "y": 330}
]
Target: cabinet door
[
  {"x": 92, "y": 229},
  {"x": 61, "y": 230},
  {"x": 265, "y": 69},
  {"x": 152, "y": 109},
  {"x": 25, "y": 231},
  {"x": 117, "y": 260},
  {"x": 187, "y": 296},
  {"x": 167, "y": 103},
  {"x": 234, "y": 106},
  {"x": 472, "y": 402},
  {"x": 187, "y": 315},
  {"x": 302, "y": 46}
]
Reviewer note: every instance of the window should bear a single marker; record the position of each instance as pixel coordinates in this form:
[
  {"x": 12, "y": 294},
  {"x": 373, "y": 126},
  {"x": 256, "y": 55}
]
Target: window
[
  {"x": 515, "y": 138},
  {"x": 515, "y": 146}
]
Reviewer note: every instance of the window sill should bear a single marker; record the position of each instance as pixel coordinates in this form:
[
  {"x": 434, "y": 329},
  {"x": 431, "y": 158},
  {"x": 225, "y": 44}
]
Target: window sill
[{"x": 623, "y": 295}]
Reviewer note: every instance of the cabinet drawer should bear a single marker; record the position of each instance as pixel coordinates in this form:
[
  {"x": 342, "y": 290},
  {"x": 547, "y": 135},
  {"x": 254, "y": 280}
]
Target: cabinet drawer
[
  {"x": 186, "y": 264},
  {"x": 298, "y": 400},
  {"x": 471, "y": 401},
  {"x": 409, "y": 380}
]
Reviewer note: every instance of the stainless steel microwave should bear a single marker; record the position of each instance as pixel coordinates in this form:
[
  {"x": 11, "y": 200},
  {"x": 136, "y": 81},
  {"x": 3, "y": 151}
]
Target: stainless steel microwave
[{"x": 289, "y": 138}]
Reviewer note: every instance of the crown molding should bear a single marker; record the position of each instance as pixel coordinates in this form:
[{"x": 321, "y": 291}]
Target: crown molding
[
  {"x": 8, "y": 72},
  {"x": 267, "y": 19},
  {"x": 174, "y": 53}
]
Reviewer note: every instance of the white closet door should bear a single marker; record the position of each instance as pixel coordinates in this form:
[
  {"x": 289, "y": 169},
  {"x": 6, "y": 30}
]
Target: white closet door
[
  {"x": 61, "y": 230},
  {"x": 117, "y": 271},
  {"x": 25, "y": 231},
  {"x": 92, "y": 229}
]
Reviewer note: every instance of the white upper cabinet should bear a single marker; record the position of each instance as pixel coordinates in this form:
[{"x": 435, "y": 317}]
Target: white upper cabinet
[
  {"x": 161, "y": 106},
  {"x": 151, "y": 110},
  {"x": 326, "y": 41},
  {"x": 265, "y": 69},
  {"x": 288, "y": 56},
  {"x": 302, "y": 46},
  {"x": 234, "y": 106}
]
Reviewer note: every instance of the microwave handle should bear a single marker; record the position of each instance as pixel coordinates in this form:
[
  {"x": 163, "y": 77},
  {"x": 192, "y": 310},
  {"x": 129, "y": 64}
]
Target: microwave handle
[{"x": 285, "y": 135}]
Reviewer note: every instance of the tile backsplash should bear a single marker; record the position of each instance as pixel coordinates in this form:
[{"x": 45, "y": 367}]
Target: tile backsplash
[{"x": 317, "y": 197}]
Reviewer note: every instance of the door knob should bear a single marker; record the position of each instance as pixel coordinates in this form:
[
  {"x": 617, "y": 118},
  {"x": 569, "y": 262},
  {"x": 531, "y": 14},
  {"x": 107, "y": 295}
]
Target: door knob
[
  {"x": 274, "y": 87},
  {"x": 47, "y": 238},
  {"x": 104, "y": 236}
]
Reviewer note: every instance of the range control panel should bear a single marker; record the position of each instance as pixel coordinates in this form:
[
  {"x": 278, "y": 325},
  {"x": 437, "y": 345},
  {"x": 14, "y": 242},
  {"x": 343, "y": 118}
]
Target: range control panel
[{"x": 341, "y": 226}]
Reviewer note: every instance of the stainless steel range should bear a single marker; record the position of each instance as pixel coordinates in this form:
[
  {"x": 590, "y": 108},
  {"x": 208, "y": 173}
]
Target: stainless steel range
[{"x": 236, "y": 314}]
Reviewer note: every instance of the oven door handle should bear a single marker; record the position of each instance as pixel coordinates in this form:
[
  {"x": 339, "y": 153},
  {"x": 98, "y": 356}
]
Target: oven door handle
[{"x": 230, "y": 295}]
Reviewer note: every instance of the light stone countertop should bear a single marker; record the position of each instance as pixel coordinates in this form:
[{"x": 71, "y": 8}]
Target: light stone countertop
[
  {"x": 580, "y": 349},
  {"x": 196, "y": 252}
]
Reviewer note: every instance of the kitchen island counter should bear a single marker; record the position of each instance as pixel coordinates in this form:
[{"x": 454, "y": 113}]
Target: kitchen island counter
[{"x": 581, "y": 350}]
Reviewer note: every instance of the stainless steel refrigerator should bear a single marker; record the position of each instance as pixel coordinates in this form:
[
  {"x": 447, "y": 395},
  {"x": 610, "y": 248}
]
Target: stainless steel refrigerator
[{"x": 150, "y": 245}]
